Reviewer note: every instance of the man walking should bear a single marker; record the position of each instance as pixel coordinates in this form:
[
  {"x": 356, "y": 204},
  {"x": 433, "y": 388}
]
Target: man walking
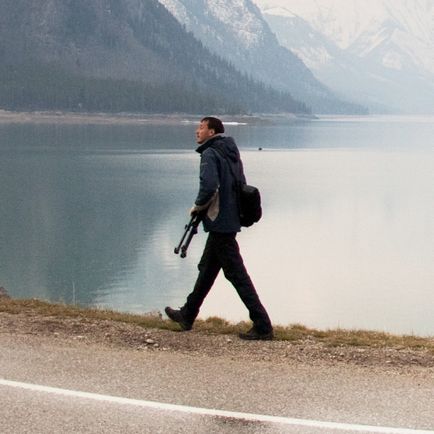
[{"x": 217, "y": 199}]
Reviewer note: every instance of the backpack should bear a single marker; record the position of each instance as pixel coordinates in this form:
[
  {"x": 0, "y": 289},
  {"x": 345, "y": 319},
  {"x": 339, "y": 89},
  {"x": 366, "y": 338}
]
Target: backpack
[
  {"x": 248, "y": 198},
  {"x": 249, "y": 204}
]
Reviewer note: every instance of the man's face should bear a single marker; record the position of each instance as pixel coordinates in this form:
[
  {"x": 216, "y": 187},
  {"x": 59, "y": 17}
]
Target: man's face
[{"x": 203, "y": 133}]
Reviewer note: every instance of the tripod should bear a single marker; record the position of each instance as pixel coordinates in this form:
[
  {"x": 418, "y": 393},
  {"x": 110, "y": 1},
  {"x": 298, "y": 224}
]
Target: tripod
[{"x": 190, "y": 231}]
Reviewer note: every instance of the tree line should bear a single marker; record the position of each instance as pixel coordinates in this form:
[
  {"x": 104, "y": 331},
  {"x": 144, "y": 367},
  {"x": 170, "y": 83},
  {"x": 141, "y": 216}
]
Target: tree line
[{"x": 47, "y": 87}]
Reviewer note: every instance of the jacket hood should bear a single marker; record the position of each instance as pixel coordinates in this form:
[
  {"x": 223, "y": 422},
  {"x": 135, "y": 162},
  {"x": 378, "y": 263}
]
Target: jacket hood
[{"x": 226, "y": 145}]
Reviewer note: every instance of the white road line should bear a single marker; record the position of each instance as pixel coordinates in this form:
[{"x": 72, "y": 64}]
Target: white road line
[{"x": 212, "y": 412}]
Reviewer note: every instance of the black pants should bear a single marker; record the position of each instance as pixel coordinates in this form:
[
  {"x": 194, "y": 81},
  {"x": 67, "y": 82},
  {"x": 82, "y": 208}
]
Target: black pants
[{"x": 222, "y": 252}]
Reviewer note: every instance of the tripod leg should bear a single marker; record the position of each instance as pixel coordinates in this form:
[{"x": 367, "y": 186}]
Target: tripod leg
[
  {"x": 193, "y": 231},
  {"x": 187, "y": 229}
]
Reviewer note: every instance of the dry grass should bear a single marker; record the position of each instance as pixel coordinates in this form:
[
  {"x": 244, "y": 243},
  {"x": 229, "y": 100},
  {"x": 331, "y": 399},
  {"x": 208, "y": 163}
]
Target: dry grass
[{"x": 214, "y": 325}]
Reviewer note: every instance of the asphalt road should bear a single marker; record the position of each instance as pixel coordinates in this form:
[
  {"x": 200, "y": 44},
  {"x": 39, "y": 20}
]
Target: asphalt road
[{"x": 341, "y": 393}]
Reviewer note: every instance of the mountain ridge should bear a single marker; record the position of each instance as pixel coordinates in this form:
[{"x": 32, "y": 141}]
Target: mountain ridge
[
  {"x": 236, "y": 31},
  {"x": 384, "y": 46}
]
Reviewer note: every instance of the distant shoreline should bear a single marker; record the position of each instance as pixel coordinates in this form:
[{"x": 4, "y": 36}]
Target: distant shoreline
[{"x": 75, "y": 118}]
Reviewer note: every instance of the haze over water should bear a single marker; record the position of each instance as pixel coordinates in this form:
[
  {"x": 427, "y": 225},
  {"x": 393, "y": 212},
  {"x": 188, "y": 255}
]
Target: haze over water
[{"x": 91, "y": 214}]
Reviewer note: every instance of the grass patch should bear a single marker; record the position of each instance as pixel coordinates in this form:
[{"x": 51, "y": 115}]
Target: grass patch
[
  {"x": 35, "y": 307},
  {"x": 214, "y": 325}
]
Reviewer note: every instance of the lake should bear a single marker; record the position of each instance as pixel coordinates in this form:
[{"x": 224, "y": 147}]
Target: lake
[{"x": 90, "y": 214}]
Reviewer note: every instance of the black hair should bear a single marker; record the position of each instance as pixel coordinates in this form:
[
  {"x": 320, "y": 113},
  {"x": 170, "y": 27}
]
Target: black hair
[{"x": 214, "y": 124}]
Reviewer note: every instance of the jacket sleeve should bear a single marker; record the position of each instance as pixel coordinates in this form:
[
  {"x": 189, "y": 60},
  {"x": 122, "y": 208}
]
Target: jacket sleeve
[{"x": 209, "y": 177}]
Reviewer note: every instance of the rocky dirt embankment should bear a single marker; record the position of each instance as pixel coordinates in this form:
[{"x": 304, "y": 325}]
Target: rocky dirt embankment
[{"x": 106, "y": 332}]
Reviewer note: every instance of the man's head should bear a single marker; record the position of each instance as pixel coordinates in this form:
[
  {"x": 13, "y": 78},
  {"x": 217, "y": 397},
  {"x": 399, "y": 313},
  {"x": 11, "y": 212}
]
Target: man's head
[{"x": 208, "y": 127}]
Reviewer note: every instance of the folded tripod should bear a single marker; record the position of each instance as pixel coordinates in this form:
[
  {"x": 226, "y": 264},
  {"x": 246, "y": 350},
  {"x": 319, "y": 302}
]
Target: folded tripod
[{"x": 190, "y": 231}]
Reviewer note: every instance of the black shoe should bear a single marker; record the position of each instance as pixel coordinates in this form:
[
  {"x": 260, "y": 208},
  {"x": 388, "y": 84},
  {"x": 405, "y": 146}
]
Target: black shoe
[
  {"x": 176, "y": 315},
  {"x": 254, "y": 335}
]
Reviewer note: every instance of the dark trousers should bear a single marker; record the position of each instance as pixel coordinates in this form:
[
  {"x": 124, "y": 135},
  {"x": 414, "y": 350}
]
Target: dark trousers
[{"x": 222, "y": 252}]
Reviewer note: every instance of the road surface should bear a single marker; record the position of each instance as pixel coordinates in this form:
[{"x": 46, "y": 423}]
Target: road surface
[{"x": 50, "y": 385}]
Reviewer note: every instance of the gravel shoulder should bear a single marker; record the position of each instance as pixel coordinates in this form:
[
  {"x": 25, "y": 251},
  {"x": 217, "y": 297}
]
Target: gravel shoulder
[{"x": 107, "y": 333}]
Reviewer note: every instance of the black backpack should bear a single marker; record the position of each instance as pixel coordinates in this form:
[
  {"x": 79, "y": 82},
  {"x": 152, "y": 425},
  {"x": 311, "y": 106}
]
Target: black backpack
[
  {"x": 249, "y": 204},
  {"x": 248, "y": 197}
]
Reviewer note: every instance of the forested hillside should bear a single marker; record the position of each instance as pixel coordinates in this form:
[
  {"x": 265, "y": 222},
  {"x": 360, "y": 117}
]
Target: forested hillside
[{"x": 117, "y": 55}]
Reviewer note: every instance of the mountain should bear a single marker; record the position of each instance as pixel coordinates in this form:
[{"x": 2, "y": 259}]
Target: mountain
[
  {"x": 118, "y": 55},
  {"x": 236, "y": 31},
  {"x": 384, "y": 46}
]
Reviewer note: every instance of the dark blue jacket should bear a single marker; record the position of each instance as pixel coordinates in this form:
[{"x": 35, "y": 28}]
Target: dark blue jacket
[{"x": 217, "y": 185}]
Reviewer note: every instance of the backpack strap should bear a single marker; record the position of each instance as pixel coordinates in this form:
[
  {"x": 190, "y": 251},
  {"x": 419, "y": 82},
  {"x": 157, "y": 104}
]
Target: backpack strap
[
  {"x": 237, "y": 181},
  {"x": 219, "y": 152}
]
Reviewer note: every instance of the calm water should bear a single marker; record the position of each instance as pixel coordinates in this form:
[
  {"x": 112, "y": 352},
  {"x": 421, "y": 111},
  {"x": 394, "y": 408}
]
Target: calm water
[{"x": 91, "y": 214}]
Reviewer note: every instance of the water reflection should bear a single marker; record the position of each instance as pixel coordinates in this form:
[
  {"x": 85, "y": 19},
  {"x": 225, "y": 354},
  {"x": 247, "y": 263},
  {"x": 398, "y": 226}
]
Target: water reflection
[{"x": 85, "y": 223}]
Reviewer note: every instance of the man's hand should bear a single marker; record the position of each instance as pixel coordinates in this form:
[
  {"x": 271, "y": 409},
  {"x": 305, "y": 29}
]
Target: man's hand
[{"x": 196, "y": 209}]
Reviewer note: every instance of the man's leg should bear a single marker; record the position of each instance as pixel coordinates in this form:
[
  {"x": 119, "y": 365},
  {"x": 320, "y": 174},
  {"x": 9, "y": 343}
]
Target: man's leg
[
  {"x": 209, "y": 268},
  {"x": 229, "y": 257}
]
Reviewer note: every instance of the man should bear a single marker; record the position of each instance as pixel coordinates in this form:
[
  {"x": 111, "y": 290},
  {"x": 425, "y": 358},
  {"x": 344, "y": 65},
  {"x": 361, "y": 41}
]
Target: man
[{"x": 217, "y": 200}]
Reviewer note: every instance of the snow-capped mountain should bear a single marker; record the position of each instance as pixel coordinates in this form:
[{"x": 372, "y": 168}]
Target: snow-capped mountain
[
  {"x": 238, "y": 33},
  {"x": 383, "y": 46}
]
